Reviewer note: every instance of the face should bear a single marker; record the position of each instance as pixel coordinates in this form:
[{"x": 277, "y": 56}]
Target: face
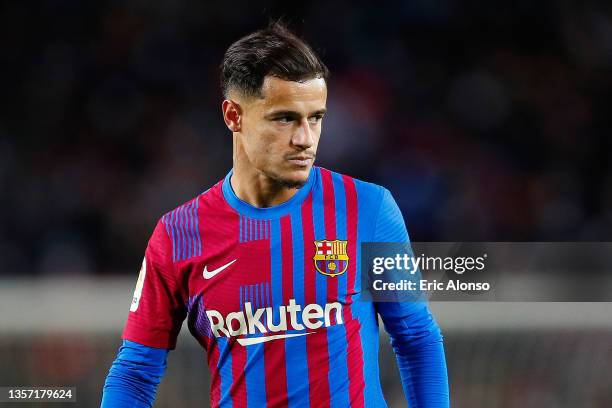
[{"x": 280, "y": 131}]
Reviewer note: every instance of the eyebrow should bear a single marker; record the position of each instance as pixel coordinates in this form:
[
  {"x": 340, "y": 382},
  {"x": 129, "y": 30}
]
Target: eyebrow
[{"x": 280, "y": 113}]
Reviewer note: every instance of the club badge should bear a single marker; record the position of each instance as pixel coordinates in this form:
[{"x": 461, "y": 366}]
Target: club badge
[{"x": 330, "y": 257}]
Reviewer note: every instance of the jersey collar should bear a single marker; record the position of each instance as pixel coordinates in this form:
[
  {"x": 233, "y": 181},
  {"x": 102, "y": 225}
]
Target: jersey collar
[{"x": 276, "y": 211}]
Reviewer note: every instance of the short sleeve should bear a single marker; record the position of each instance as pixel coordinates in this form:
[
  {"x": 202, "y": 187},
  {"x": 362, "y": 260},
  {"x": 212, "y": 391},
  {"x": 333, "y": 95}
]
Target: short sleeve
[{"x": 158, "y": 306}]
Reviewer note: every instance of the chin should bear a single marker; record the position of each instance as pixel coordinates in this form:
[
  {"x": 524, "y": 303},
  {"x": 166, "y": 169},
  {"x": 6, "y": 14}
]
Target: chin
[{"x": 295, "y": 180}]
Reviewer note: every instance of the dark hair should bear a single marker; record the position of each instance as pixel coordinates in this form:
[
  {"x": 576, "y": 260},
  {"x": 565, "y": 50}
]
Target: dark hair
[{"x": 274, "y": 51}]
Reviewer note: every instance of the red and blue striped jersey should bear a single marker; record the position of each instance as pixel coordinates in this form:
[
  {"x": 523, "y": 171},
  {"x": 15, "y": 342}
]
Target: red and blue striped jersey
[{"x": 272, "y": 294}]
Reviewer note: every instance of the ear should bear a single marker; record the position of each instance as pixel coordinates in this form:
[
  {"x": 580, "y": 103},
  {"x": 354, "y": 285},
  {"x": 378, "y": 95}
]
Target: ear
[{"x": 232, "y": 115}]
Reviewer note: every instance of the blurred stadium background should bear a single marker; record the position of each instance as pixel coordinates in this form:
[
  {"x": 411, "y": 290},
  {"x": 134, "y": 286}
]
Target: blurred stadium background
[{"x": 489, "y": 121}]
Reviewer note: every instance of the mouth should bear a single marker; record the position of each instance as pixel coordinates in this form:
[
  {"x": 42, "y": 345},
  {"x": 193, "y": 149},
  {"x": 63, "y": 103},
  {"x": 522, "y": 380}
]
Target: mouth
[{"x": 301, "y": 160}]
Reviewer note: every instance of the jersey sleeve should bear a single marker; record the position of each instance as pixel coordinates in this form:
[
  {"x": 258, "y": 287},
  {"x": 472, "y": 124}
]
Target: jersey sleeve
[
  {"x": 415, "y": 335},
  {"x": 158, "y": 306},
  {"x": 134, "y": 376}
]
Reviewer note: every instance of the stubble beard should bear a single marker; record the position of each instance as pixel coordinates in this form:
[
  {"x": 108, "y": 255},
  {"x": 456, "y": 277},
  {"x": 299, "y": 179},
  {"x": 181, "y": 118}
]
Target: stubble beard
[{"x": 286, "y": 183}]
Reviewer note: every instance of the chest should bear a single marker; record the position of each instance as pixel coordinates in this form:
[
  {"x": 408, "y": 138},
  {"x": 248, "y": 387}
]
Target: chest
[{"x": 272, "y": 270}]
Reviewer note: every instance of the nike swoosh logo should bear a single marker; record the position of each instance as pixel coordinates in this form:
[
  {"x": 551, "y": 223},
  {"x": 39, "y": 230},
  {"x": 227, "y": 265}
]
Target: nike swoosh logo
[
  {"x": 209, "y": 274},
  {"x": 263, "y": 339}
]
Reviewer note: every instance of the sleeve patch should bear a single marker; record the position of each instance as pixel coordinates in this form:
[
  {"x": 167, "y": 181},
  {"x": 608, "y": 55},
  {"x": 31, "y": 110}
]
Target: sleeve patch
[{"x": 139, "y": 285}]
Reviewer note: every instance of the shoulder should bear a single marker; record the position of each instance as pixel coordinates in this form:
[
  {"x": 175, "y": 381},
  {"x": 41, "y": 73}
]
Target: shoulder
[
  {"x": 188, "y": 211},
  {"x": 368, "y": 194},
  {"x": 182, "y": 224}
]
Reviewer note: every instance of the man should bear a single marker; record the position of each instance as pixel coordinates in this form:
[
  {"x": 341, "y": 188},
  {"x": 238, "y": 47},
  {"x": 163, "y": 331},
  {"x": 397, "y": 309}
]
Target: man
[{"x": 265, "y": 263}]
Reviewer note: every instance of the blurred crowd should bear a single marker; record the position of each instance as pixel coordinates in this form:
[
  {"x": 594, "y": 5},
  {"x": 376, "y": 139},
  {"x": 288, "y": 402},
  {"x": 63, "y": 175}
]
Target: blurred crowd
[{"x": 488, "y": 121}]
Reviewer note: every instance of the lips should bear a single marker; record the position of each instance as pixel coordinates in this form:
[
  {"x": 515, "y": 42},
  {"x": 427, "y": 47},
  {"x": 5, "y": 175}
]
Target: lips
[
  {"x": 301, "y": 158},
  {"x": 302, "y": 161}
]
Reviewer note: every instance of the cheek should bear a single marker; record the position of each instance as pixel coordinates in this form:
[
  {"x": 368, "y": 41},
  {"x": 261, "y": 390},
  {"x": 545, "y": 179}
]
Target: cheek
[
  {"x": 272, "y": 148},
  {"x": 272, "y": 140},
  {"x": 266, "y": 143},
  {"x": 258, "y": 151},
  {"x": 254, "y": 140},
  {"x": 263, "y": 147}
]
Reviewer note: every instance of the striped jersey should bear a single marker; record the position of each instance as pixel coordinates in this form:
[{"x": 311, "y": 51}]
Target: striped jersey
[{"x": 272, "y": 294}]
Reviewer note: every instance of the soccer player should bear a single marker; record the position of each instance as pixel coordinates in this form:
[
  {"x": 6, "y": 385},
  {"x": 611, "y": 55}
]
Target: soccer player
[{"x": 265, "y": 263}]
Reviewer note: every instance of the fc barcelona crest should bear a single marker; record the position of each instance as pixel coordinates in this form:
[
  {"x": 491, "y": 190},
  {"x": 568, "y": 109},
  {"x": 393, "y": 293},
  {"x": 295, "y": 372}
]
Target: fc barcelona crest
[{"x": 330, "y": 257}]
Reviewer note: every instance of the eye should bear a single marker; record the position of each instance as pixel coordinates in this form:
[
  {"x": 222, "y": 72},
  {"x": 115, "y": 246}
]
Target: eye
[
  {"x": 283, "y": 119},
  {"x": 316, "y": 118}
]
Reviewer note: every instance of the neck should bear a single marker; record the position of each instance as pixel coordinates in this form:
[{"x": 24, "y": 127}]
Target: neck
[
  {"x": 253, "y": 187},
  {"x": 259, "y": 190}
]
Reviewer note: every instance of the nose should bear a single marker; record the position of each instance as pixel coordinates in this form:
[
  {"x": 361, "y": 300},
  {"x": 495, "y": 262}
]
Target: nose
[{"x": 303, "y": 136}]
